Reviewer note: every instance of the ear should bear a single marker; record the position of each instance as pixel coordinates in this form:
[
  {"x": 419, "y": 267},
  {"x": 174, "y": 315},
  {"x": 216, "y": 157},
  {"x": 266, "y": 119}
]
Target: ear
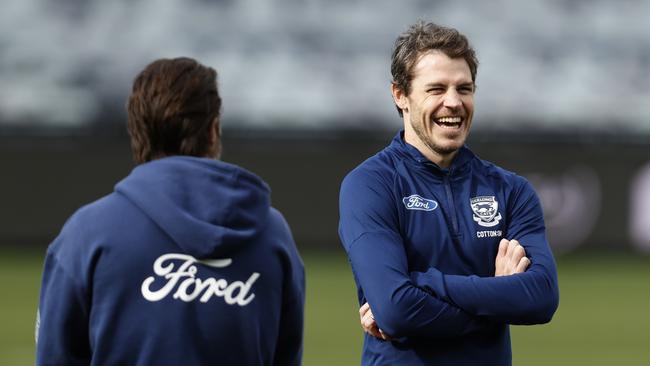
[
  {"x": 215, "y": 132},
  {"x": 399, "y": 97},
  {"x": 215, "y": 139}
]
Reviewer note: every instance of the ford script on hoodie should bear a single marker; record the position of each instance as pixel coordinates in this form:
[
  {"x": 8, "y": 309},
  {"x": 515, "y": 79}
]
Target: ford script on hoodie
[{"x": 171, "y": 268}]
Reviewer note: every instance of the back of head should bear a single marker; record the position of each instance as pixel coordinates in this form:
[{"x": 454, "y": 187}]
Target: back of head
[
  {"x": 422, "y": 38},
  {"x": 172, "y": 109}
]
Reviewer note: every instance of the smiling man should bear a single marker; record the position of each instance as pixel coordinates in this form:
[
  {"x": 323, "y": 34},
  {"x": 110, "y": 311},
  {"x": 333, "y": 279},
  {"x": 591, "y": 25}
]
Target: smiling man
[{"x": 446, "y": 249}]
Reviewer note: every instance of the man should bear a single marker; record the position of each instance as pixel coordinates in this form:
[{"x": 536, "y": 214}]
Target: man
[
  {"x": 185, "y": 263},
  {"x": 446, "y": 249}
]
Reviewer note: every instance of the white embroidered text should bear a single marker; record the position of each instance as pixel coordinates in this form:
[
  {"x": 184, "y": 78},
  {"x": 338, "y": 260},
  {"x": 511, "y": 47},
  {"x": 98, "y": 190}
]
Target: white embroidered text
[
  {"x": 417, "y": 202},
  {"x": 180, "y": 269}
]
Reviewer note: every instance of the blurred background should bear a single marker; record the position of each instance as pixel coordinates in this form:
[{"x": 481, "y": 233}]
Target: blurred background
[{"x": 563, "y": 99}]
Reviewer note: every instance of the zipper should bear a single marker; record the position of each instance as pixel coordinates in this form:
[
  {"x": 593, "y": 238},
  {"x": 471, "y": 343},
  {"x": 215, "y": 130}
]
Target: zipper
[{"x": 450, "y": 203}]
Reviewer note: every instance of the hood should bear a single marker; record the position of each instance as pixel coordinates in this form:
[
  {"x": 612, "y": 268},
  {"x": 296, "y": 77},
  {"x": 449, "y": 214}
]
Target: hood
[{"x": 206, "y": 206}]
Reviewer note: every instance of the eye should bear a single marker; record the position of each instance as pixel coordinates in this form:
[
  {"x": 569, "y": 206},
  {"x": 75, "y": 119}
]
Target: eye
[
  {"x": 466, "y": 90},
  {"x": 436, "y": 90}
]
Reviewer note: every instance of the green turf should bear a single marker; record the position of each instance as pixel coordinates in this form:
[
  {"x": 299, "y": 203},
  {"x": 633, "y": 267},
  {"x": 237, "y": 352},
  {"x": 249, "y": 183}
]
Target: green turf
[
  {"x": 19, "y": 284},
  {"x": 603, "y": 317}
]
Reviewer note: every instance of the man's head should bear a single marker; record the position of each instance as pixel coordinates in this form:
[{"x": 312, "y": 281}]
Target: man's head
[
  {"x": 423, "y": 38},
  {"x": 174, "y": 109},
  {"x": 434, "y": 74}
]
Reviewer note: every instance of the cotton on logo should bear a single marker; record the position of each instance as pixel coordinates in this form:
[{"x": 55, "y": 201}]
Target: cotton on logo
[{"x": 191, "y": 287}]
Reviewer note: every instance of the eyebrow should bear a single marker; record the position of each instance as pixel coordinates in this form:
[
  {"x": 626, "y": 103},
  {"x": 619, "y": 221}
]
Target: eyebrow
[{"x": 431, "y": 85}]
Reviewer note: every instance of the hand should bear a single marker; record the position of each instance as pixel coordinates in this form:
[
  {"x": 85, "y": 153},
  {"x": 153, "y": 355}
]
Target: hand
[
  {"x": 511, "y": 258},
  {"x": 369, "y": 324}
]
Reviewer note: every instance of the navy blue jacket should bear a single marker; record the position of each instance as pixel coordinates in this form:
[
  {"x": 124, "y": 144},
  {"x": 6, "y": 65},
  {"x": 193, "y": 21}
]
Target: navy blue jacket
[
  {"x": 185, "y": 263},
  {"x": 422, "y": 243}
]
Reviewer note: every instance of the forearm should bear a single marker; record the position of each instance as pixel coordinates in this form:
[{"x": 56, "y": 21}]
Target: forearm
[
  {"x": 525, "y": 298},
  {"x": 416, "y": 313},
  {"x": 399, "y": 307}
]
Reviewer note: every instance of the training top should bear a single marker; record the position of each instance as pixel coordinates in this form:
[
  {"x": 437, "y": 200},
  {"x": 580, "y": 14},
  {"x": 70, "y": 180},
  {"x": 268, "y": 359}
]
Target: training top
[
  {"x": 422, "y": 242},
  {"x": 185, "y": 263}
]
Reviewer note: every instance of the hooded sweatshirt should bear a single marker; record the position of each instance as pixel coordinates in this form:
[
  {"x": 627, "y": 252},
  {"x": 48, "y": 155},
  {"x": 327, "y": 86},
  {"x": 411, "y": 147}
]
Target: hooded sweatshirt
[{"x": 185, "y": 263}]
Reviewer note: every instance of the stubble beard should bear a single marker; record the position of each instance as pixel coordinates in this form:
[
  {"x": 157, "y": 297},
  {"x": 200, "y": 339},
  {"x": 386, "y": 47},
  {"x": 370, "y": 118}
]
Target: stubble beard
[{"x": 428, "y": 141}]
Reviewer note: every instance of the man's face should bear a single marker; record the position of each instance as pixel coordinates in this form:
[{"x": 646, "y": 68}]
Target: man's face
[{"x": 438, "y": 111}]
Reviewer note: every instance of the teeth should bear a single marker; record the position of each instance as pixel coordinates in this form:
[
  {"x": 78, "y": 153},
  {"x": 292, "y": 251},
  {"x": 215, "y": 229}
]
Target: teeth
[{"x": 449, "y": 120}]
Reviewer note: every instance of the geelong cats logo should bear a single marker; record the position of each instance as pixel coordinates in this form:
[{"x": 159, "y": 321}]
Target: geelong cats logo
[
  {"x": 486, "y": 210},
  {"x": 178, "y": 271},
  {"x": 415, "y": 202}
]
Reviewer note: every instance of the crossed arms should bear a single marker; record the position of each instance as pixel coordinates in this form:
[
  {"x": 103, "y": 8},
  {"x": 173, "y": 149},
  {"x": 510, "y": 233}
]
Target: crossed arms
[
  {"x": 434, "y": 304},
  {"x": 511, "y": 259}
]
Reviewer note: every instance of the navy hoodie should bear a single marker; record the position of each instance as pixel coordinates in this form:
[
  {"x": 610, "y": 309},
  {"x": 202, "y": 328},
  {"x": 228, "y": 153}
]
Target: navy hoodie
[
  {"x": 185, "y": 263},
  {"x": 422, "y": 242}
]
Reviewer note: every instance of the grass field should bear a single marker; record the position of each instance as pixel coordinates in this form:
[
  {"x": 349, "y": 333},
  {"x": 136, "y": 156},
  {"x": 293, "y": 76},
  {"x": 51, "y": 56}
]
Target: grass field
[{"x": 603, "y": 319}]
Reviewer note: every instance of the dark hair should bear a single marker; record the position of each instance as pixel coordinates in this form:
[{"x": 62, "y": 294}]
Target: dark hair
[
  {"x": 173, "y": 105},
  {"x": 423, "y": 37}
]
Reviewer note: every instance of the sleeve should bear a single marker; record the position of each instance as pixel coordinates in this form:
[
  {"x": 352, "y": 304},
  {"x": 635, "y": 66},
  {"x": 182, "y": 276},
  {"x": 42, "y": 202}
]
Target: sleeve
[
  {"x": 62, "y": 334},
  {"x": 369, "y": 232},
  {"x": 525, "y": 298},
  {"x": 290, "y": 340}
]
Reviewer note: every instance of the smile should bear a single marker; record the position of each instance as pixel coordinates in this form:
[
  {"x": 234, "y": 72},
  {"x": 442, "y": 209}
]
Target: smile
[{"x": 449, "y": 122}]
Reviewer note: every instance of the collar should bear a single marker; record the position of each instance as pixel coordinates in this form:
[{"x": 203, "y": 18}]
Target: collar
[{"x": 410, "y": 153}]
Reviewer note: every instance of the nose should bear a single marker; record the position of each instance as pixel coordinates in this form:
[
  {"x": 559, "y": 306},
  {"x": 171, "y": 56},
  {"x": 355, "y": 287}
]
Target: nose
[{"x": 452, "y": 99}]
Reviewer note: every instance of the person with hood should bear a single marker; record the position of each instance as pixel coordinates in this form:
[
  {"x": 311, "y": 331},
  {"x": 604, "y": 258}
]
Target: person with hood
[{"x": 186, "y": 262}]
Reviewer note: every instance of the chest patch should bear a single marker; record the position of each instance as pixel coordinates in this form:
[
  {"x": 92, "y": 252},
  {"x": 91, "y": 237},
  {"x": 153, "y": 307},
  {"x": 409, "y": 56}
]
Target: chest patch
[
  {"x": 417, "y": 202},
  {"x": 486, "y": 210}
]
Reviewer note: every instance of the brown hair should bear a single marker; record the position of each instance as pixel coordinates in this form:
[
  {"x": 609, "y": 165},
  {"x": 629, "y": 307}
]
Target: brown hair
[
  {"x": 173, "y": 105},
  {"x": 423, "y": 37}
]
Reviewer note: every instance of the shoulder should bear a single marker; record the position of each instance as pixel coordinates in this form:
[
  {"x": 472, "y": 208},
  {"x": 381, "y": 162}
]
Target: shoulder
[
  {"x": 278, "y": 232},
  {"x": 500, "y": 175},
  {"x": 105, "y": 212},
  {"x": 278, "y": 229},
  {"x": 516, "y": 189},
  {"x": 278, "y": 223},
  {"x": 91, "y": 222},
  {"x": 379, "y": 169},
  {"x": 101, "y": 207},
  {"x": 369, "y": 192},
  {"x": 83, "y": 216},
  {"x": 82, "y": 238}
]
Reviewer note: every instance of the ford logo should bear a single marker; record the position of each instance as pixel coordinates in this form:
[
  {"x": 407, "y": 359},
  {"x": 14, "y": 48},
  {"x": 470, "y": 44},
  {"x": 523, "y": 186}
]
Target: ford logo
[{"x": 416, "y": 202}]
